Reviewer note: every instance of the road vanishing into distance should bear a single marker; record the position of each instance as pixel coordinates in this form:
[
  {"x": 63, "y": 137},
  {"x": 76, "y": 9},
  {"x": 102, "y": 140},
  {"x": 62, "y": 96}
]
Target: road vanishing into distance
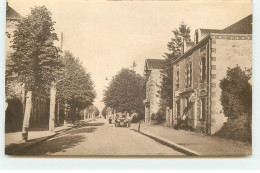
[{"x": 99, "y": 138}]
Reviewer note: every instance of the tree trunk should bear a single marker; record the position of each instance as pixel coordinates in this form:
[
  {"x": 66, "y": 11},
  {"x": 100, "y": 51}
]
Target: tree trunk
[
  {"x": 23, "y": 97},
  {"x": 78, "y": 114},
  {"x": 66, "y": 115},
  {"x": 85, "y": 113},
  {"x": 58, "y": 113},
  {"x": 27, "y": 114},
  {"x": 6, "y": 105},
  {"x": 52, "y": 108},
  {"x": 73, "y": 115}
]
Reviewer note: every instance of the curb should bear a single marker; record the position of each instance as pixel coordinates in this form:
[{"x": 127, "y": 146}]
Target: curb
[
  {"x": 20, "y": 150},
  {"x": 170, "y": 144}
]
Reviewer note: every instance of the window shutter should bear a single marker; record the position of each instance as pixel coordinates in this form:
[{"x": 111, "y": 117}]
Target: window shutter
[
  {"x": 190, "y": 73},
  {"x": 201, "y": 69},
  {"x": 185, "y": 76}
]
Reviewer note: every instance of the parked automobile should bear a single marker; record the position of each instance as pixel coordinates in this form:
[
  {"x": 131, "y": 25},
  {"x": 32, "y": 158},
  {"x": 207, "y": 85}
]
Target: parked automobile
[{"x": 122, "y": 120}]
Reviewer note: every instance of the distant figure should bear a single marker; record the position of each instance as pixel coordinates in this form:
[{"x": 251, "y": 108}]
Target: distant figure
[{"x": 109, "y": 119}]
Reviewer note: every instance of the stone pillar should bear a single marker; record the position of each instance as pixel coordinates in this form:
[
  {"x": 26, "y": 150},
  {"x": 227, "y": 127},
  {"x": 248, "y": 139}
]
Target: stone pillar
[
  {"x": 167, "y": 118},
  {"x": 170, "y": 118}
]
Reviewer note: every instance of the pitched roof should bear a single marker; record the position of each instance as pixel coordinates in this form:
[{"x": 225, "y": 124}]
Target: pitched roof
[
  {"x": 244, "y": 26},
  {"x": 11, "y": 13},
  {"x": 208, "y": 31},
  {"x": 154, "y": 63}
]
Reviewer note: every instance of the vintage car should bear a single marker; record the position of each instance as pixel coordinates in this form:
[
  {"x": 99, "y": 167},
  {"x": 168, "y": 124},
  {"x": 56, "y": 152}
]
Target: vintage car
[{"x": 122, "y": 120}]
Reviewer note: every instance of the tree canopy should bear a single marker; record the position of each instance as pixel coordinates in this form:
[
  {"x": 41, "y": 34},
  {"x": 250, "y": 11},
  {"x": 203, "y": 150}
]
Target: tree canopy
[
  {"x": 236, "y": 100},
  {"x": 35, "y": 59},
  {"x": 236, "y": 94},
  {"x": 125, "y": 92},
  {"x": 106, "y": 110},
  {"x": 75, "y": 86},
  {"x": 174, "y": 48}
]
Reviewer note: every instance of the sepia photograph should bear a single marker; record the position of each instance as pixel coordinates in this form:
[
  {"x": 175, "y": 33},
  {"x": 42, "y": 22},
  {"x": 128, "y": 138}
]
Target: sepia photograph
[{"x": 130, "y": 79}]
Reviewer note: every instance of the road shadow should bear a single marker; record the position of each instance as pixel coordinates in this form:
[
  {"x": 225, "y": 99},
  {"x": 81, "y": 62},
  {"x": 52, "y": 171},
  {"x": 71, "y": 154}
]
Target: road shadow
[
  {"x": 94, "y": 124},
  {"x": 81, "y": 130},
  {"x": 12, "y": 149},
  {"x": 61, "y": 142},
  {"x": 54, "y": 145}
]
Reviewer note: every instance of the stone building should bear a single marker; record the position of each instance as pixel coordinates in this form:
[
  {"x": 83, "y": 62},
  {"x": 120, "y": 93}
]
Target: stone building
[
  {"x": 16, "y": 102},
  {"x": 197, "y": 73},
  {"x": 152, "y": 73}
]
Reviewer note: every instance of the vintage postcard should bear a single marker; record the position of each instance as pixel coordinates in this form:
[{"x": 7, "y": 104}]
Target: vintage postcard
[{"x": 128, "y": 78}]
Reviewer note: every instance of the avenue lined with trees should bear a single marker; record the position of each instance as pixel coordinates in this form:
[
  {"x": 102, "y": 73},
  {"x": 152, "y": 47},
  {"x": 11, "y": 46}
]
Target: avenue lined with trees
[{"x": 40, "y": 67}]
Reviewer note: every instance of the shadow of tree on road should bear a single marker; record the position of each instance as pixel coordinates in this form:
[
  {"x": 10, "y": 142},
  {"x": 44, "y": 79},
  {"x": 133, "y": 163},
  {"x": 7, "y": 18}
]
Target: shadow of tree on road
[
  {"x": 81, "y": 130},
  {"x": 59, "y": 143},
  {"x": 55, "y": 145},
  {"x": 67, "y": 140},
  {"x": 94, "y": 124}
]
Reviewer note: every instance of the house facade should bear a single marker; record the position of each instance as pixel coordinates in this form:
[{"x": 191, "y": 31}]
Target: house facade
[
  {"x": 152, "y": 73},
  {"x": 197, "y": 73}
]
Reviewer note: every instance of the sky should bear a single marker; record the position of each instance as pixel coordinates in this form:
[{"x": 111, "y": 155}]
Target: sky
[{"x": 109, "y": 35}]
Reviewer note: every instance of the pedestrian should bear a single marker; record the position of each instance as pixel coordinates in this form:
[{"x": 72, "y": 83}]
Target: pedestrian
[{"x": 185, "y": 120}]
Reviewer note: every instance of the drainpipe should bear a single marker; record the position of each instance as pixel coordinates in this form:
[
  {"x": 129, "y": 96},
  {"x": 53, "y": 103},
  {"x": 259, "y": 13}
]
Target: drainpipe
[{"x": 209, "y": 87}]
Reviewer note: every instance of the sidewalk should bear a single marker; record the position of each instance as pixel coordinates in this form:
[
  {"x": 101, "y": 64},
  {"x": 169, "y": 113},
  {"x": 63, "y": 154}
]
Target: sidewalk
[
  {"x": 14, "y": 144},
  {"x": 194, "y": 143}
]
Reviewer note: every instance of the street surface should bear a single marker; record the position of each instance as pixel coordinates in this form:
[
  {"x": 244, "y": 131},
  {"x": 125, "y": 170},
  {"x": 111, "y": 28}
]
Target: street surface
[{"x": 100, "y": 138}]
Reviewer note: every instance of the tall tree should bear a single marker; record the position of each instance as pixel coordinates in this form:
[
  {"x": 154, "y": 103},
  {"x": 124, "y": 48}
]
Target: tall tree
[
  {"x": 96, "y": 111},
  {"x": 236, "y": 99},
  {"x": 105, "y": 111},
  {"x": 174, "y": 48},
  {"x": 76, "y": 87},
  {"x": 125, "y": 92},
  {"x": 34, "y": 61},
  {"x": 236, "y": 94}
]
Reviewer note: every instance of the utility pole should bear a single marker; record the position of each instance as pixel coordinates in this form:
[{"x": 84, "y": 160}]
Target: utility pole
[{"x": 61, "y": 41}]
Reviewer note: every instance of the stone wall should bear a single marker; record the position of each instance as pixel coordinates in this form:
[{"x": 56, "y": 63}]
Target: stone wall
[{"x": 227, "y": 51}]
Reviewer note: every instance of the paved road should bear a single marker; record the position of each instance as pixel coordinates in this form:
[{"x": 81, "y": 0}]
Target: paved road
[{"x": 100, "y": 138}]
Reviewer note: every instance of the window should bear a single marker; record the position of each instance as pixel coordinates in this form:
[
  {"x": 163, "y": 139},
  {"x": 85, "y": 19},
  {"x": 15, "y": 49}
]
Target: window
[
  {"x": 188, "y": 74},
  {"x": 203, "y": 109},
  {"x": 190, "y": 79},
  {"x": 203, "y": 69},
  {"x": 177, "y": 79}
]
